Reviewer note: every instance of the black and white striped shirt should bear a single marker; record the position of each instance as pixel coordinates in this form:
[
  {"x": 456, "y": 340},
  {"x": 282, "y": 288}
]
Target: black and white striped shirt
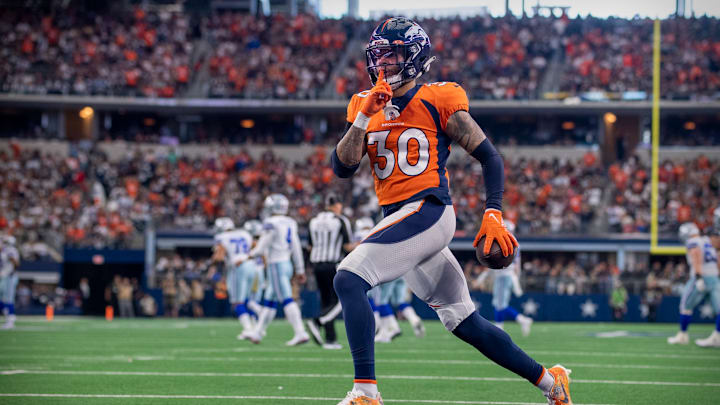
[{"x": 328, "y": 233}]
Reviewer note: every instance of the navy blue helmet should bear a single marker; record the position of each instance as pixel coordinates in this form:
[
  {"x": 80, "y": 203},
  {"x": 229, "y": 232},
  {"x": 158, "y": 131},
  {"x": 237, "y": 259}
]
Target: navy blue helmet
[{"x": 399, "y": 42}]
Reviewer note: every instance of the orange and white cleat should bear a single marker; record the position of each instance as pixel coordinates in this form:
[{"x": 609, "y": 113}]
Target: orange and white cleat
[
  {"x": 560, "y": 392},
  {"x": 358, "y": 398}
]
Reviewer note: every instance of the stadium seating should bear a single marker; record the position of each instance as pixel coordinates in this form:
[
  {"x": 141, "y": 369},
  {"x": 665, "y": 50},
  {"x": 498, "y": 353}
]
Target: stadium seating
[{"x": 164, "y": 54}]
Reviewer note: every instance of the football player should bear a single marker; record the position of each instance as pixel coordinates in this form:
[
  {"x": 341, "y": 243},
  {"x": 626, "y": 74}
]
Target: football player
[
  {"x": 232, "y": 246},
  {"x": 406, "y": 130},
  {"x": 280, "y": 243},
  {"x": 9, "y": 262},
  {"x": 254, "y": 228},
  {"x": 395, "y": 293},
  {"x": 363, "y": 227},
  {"x": 505, "y": 283},
  {"x": 703, "y": 283}
]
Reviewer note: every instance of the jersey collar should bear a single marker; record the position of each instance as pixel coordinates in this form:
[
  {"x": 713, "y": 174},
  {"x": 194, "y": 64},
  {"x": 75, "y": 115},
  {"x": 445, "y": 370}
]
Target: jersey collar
[{"x": 404, "y": 100}]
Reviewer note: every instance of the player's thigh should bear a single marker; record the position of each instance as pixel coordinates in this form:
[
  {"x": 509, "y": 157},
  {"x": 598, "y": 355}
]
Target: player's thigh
[
  {"x": 279, "y": 275},
  {"x": 246, "y": 276},
  {"x": 713, "y": 286},
  {"x": 399, "y": 292},
  {"x": 374, "y": 294},
  {"x": 440, "y": 282},
  {"x": 3, "y": 287},
  {"x": 411, "y": 235},
  {"x": 501, "y": 292},
  {"x": 691, "y": 297},
  {"x": 231, "y": 285},
  {"x": 13, "y": 288},
  {"x": 385, "y": 293}
]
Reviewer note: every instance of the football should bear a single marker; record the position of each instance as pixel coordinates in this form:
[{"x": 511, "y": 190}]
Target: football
[{"x": 495, "y": 259}]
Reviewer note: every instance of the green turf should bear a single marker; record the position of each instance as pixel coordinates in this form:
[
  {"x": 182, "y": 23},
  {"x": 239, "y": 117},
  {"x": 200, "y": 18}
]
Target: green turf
[{"x": 161, "y": 357}]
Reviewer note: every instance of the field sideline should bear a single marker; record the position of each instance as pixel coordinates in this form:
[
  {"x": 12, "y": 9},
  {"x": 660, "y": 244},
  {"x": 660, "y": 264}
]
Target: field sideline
[{"x": 161, "y": 361}]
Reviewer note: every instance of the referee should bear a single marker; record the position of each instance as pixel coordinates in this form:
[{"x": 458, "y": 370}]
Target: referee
[{"x": 330, "y": 234}]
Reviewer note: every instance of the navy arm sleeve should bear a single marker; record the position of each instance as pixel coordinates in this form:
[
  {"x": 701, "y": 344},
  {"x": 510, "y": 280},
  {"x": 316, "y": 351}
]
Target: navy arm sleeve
[{"x": 493, "y": 173}]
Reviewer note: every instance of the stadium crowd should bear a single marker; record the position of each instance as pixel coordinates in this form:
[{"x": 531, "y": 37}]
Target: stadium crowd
[
  {"x": 615, "y": 55},
  {"x": 159, "y": 53},
  {"x": 274, "y": 57},
  {"x": 85, "y": 199},
  {"x": 135, "y": 53},
  {"x": 493, "y": 58},
  {"x": 689, "y": 191}
]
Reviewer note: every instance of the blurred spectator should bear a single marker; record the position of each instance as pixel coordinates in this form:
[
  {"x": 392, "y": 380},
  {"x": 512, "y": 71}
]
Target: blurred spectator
[
  {"x": 170, "y": 295},
  {"x": 618, "y": 300},
  {"x": 198, "y": 295},
  {"x": 148, "y": 306},
  {"x": 125, "y": 299}
]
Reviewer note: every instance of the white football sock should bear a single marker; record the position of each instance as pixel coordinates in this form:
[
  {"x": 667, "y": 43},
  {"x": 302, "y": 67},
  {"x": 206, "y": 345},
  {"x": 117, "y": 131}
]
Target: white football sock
[
  {"x": 378, "y": 321},
  {"x": 522, "y": 318},
  {"x": 391, "y": 323},
  {"x": 409, "y": 314},
  {"x": 292, "y": 313},
  {"x": 546, "y": 382},
  {"x": 245, "y": 322},
  {"x": 266, "y": 316},
  {"x": 332, "y": 314},
  {"x": 369, "y": 390},
  {"x": 255, "y": 307}
]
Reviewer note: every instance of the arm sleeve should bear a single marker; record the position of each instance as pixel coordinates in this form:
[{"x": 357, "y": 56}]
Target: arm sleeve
[
  {"x": 493, "y": 173},
  {"x": 452, "y": 99}
]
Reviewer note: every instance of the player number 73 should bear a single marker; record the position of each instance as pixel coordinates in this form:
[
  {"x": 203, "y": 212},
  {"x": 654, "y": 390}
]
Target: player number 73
[{"x": 403, "y": 141}]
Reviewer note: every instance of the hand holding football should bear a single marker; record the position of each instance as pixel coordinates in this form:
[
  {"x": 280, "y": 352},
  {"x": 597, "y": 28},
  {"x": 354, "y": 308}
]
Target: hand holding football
[{"x": 495, "y": 259}]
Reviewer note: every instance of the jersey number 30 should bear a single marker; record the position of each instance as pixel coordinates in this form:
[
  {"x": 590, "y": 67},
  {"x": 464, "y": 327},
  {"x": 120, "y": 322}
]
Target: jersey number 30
[{"x": 403, "y": 142}]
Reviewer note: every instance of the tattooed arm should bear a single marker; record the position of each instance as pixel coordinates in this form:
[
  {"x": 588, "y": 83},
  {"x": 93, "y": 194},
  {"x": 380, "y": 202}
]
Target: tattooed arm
[
  {"x": 352, "y": 147},
  {"x": 463, "y": 129}
]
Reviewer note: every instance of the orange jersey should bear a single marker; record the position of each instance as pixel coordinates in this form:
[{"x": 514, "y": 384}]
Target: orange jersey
[{"x": 408, "y": 154}]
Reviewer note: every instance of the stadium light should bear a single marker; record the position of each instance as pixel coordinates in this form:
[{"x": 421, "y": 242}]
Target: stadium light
[
  {"x": 610, "y": 118},
  {"x": 247, "y": 123},
  {"x": 86, "y": 113},
  {"x": 690, "y": 126}
]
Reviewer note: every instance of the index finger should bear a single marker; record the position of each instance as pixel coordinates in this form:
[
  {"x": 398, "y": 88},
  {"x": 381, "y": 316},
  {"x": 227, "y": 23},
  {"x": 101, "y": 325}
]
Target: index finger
[{"x": 381, "y": 76}]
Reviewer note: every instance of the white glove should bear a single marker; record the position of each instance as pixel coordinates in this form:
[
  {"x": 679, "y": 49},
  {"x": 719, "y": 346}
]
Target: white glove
[{"x": 700, "y": 284}]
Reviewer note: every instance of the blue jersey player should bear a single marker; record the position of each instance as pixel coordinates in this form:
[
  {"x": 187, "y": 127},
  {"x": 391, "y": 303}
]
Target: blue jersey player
[
  {"x": 506, "y": 283},
  {"x": 9, "y": 262},
  {"x": 280, "y": 244},
  {"x": 703, "y": 284},
  {"x": 396, "y": 294},
  {"x": 233, "y": 247}
]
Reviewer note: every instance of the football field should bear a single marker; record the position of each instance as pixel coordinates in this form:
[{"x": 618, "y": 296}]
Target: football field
[{"x": 161, "y": 361}]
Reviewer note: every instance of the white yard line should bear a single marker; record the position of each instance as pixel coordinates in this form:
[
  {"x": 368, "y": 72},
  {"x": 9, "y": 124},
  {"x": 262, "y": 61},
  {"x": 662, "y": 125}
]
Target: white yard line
[
  {"x": 348, "y": 376},
  {"x": 709, "y": 356},
  {"x": 262, "y": 397},
  {"x": 139, "y": 357}
]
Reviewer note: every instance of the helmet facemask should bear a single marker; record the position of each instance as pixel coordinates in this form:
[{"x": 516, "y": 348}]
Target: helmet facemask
[{"x": 396, "y": 59}]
